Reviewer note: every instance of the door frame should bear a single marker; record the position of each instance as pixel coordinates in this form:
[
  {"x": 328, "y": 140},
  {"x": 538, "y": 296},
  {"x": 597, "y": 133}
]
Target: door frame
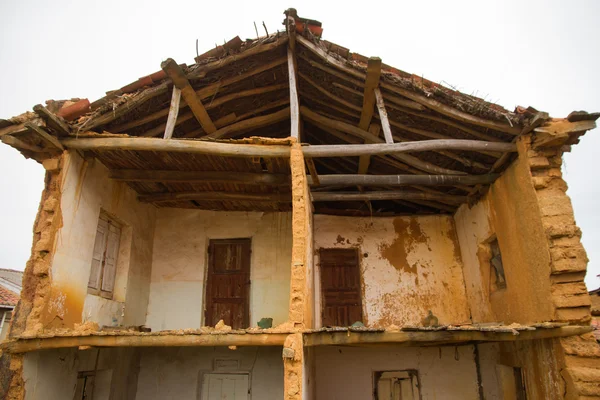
[
  {"x": 203, "y": 373},
  {"x": 207, "y": 280},
  {"x": 319, "y": 283}
]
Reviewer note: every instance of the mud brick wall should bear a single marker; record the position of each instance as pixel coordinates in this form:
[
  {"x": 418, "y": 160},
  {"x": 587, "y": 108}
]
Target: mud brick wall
[{"x": 568, "y": 257}]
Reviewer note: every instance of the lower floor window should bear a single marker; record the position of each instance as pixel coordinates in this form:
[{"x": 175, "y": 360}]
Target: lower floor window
[{"x": 397, "y": 385}]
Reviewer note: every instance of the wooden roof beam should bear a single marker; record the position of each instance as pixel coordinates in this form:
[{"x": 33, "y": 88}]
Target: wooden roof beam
[
  {"x": 53, "y": 121},
  {"x": 216, "y": 196},
  {"x": 250, "y": 178},
  {"x": 346, "y": 150},
  {"x": 177, "y": 146},
  {"x": 386, "y": 195},
  {"x": 179, "y": 79},
  {"x": 404, "y": 180}
]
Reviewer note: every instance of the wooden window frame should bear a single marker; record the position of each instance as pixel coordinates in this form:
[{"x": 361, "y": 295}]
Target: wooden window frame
[
  {"x": 98, "y": 291},
  {"x": 411, "y": 374}
]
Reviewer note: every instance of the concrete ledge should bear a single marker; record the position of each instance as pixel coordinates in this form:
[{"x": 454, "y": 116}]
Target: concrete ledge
[
  {"x": 436, "y": 338},
  {"x": 34, "y": 344}
]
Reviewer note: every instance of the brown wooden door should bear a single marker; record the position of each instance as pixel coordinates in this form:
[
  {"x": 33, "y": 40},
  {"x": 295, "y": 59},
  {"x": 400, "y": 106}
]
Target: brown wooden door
[
  {"x": 340, "y": 287},
  {"x": 228, "y": 283}
]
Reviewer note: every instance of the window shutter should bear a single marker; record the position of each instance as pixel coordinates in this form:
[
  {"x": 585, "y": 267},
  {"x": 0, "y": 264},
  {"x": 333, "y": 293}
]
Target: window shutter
[
  {"x": 110, "y": 260},
  {"x": 99, "y": 246}
]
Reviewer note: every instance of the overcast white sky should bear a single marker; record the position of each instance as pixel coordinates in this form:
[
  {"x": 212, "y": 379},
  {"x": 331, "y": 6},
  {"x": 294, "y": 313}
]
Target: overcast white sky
[{"x": 543, "y": 54}]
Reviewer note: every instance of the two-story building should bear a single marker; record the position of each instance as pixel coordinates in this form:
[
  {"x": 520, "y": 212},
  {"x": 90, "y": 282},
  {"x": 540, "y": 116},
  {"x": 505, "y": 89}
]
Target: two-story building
[{"x": 287, "y": 219}]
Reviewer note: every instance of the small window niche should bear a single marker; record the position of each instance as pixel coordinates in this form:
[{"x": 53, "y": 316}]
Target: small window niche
[
  {"x": 497, "y": 277},
  {"x": 396, "y": 385}
]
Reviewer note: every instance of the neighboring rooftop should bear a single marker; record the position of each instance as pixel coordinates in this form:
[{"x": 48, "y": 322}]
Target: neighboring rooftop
[{"x": 8, "y": 297}]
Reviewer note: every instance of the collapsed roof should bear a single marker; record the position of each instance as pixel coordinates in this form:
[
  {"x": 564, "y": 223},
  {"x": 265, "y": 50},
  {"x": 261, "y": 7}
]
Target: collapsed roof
[{"x": 242, "y": 89}]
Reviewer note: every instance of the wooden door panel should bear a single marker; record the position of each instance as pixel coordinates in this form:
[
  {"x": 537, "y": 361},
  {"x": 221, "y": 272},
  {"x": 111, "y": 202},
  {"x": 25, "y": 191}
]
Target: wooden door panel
[
  {"x": 228, "y": 283},
  {"x": 340, "y": 287}
]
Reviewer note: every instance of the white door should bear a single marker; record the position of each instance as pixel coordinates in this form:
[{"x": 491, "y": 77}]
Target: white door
[{"x": 225, "y": 387}]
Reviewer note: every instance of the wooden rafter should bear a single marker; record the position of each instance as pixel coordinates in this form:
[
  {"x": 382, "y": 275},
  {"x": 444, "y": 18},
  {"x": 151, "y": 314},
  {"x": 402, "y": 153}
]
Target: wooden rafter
[
  {"x": 249, "y": 124},
  {"x": 179, "y": 79},
  {"x": 212, "y": 90},
  {"x": 53, "y": 121},
  {"x": 20, "y": 145},
  {"x": 425, "y": 101},
  {"x": 356, "y": 131},
  {"x": 45, "y": 136}
]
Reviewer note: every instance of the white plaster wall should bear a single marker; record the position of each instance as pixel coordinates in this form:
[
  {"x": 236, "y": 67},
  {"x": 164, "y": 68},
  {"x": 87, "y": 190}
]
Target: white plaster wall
[
  {"x": 86, "y": 190},
  {"x": 408, "y": 265},
  {"x": 180, "y": 259},
  {"x": 473, "y": 227},
  {"x": 176, "y": 373},
  {"x": 346, "y": 373},
  {"x": 52, "y": 374}
]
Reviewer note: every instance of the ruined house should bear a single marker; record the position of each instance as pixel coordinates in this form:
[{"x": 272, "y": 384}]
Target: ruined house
[{"x": 287, "y": 219}]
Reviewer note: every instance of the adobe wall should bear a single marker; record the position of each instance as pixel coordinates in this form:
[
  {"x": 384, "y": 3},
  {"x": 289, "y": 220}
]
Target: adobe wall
[
  {"x": 180, "y": 259},
  {"x": 86, "y": 190},
  {"x": 177, "y": 372},
  {"x": 408, "y": 265},
  {"x": 444, "y": 372},
  {"x": 510, "y": 211}
]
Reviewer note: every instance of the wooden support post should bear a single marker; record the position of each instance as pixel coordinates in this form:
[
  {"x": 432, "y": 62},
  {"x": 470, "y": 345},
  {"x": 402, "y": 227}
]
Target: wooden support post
[
  {"x": 173, "y": 113},
  {"x": 294, "y": 102},
  {"x": 365, "y": 161},
  {"x": 312, "y": 170},
  {"x": 371, "y": 83},
  {"x": 179, "y": 79},
  {"x": 385, "y": 123}
]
